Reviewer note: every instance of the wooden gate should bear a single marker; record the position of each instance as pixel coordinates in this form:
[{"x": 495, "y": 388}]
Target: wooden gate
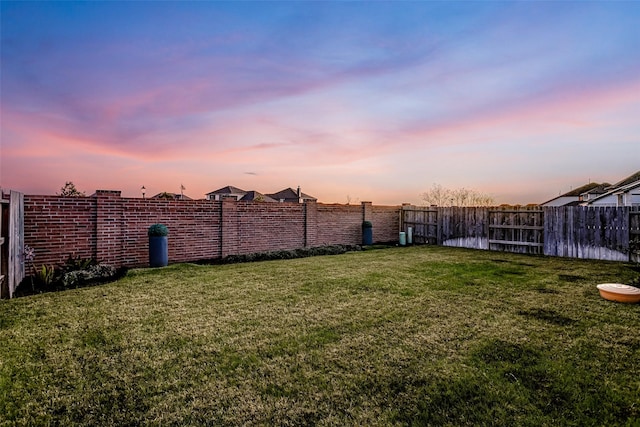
[
  {"x": 423, "y": 222},
  {"x": 11, "y": 243},
  {"x": 516, "y": 230},
  {"x": 4, "y": 251},
  {"x": 463, "y": 227}
]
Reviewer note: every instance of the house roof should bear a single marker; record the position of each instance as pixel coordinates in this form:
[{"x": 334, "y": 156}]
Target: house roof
[
  {"x": 176, "y": 196},
  {"x": 291, "y": 194},
  {"x": 256, "y": 196},
  {"x": 229, "y": 189},
  {"x": 618, "y": 189},
  {"x": 581, "y": 190},
  {"x": 600, "y": 189},
  {"x": 577, "y": 191},
  {"x": 628, "y": 180}
]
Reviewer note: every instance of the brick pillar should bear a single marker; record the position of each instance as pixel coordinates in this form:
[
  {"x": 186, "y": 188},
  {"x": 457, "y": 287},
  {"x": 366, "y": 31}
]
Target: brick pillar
[
  {"x": 401, "y": 226},
  {"x": 109, "y": 227},
  {"x": 310, "y": 224},
  {"x": 228, "y": 227},
  {"x": 367, "y": 211}
]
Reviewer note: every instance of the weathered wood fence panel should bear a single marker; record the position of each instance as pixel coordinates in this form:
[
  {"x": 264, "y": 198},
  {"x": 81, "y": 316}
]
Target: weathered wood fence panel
[
  {"x": 464, "y": 227},
  {"x": 606, "y": 233},
  {"x": 4, "y": 251},
  {"x": 15, "y": 241},
  {"x": 587, "y": 232},
  {"x": 519, "y": 230},
  {"x": 634, "y": 235},
  {"x": 424, "y": 223}
]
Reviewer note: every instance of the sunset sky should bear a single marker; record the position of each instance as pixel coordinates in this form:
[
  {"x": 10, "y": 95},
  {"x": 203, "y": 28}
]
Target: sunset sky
[{"x": 349, "y": 100}]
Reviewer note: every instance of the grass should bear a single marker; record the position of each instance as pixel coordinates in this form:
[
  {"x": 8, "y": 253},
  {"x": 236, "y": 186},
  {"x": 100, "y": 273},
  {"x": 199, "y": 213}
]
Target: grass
[{"x": 407, "y": 336}]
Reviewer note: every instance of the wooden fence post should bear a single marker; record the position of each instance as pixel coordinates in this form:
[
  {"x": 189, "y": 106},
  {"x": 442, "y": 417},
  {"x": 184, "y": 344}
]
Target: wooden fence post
[
  {"x": 4, "y": 252},
  {"x": 634, "y": 235},
  {"x": 16, "y": 241}
]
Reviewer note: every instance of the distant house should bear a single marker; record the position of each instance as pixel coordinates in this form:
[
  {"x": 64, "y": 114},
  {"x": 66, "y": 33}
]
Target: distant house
[
  {"x": 254, "y": 196},
  {"x": 171, "y": 196},
  {"x": 594, "y": 192},
  {"x": 578, "y": 195},
  {"x": 228, "y": 191},
  {"x": 292, "y": 196},
  {"x": 623, "y": 193},
  {"x": 287, "y": 195}
]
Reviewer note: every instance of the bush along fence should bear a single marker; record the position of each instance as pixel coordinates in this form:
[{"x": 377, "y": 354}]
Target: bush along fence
[{"x": 606, "y": 233}]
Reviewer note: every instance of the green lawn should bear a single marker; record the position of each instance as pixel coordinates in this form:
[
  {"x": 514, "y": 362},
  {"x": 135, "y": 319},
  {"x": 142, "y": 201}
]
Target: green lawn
[{"x": 407, "y": 336}]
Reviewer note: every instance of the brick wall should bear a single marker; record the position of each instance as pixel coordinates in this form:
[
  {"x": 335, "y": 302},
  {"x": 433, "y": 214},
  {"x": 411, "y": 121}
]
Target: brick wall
[
  {"x": 386, "y": 223},
  {"x": 59, "y": 227},
  {"x": 194, "y": 229},
  {"x": 250, "y": 227},
  {"x": 113, "y": 229},
  {"x": 339, "y": 224}
]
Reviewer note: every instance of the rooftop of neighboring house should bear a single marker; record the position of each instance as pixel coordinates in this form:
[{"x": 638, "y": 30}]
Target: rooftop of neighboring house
[
  {"x": 628, "y": 180},
  {"x": 632, "y": 182},
  {"x": 291, "y": 195},
  {"x": 286, "y": 195},
  {"x": 254, "y": 196},
  {"x": 581, "y": 190},
  {"x": 171, "y": 196},
  {"x": 599, "y": 189},
  {"x": 229, "y": 189},
  {"x": 577, "y": 192}
]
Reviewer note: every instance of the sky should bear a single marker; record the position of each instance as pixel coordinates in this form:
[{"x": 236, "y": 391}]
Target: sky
[{"x": 351, "y": 101}]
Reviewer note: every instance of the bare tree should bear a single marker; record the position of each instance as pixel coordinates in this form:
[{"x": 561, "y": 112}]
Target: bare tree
[
  {"x": 438, "y": 196},
  {"x": 350, "y": 199},
  {"x": 441, "y": 196}
]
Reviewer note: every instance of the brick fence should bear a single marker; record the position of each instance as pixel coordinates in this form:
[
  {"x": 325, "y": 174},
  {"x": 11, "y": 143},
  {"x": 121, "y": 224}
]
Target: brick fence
[{"x": 113, "y": 229}]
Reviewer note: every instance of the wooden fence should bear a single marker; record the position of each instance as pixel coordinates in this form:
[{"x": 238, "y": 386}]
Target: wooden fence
[
  {"x": 4, "y": 252},
  {"x": 11, "y": 243},
  {"x": 607, "y": 233},
  {"x": 634, "y": 235},
  {"x": 519, "y": 230},
  {"x": 594, "y": 233}
]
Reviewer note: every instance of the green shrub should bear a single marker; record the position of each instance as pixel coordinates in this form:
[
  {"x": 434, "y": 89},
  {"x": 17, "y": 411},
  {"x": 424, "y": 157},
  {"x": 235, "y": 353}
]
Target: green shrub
[
  {"x": 44, "y": 276},
  {"x": 158, "y": 230},
  {"x": 93, "y": 273},
  {"x": 288, "y": 254},
  {"x": 72, "y": 264},
  {"x": 74, "y": 273}
]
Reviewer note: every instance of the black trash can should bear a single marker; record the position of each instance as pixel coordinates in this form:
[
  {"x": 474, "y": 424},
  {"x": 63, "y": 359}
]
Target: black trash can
[
  {"x": 158, "y": 245},
  {"x": 367, "y": 233}
]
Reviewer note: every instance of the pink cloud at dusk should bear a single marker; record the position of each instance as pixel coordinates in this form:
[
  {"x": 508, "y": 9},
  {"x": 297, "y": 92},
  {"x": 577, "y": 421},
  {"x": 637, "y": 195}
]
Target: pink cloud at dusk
[
  {"x": 562, "y": 111},
  {"x": 517, "y": 100}
]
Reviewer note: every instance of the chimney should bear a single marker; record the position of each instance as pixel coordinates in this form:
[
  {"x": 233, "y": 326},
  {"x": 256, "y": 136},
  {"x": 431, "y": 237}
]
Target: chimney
[{"x": 299, "y": 195}]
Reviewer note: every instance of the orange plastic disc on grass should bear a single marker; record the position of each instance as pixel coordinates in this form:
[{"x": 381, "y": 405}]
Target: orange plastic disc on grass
[{"x": 620, "y": 293}]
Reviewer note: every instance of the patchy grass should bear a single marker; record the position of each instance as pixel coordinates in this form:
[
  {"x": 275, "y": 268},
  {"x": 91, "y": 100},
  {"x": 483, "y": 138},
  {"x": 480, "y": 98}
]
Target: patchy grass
[{"x": 406, "y": 336}]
